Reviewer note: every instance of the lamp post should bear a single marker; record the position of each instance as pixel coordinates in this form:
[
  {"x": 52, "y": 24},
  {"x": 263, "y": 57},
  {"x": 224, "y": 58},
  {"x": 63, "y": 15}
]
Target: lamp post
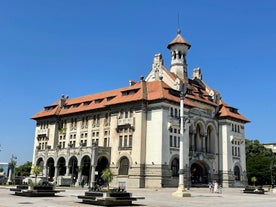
[
  {"x": 93, "y": 165},
  {"x": 12, "y": 165},
  {"x": 181, "y": 192}
]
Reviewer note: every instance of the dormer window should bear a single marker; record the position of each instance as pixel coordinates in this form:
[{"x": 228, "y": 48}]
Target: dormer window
[
  {"x": 98, "y": 101},
  {"x": 86, "y": 103},
  {"x": 125, "y": 93},
  {"x": 234, "y": 110},
  {"x": 48, "y": 108},
  {"x": 110, "y": 98},
  {"x": 189, "y": 91},
  {"x": 75, "y": 105}
]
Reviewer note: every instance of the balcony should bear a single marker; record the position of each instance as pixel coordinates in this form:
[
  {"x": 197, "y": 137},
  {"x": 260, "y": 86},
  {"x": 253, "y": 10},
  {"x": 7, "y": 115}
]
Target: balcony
[
  {"x": 44, "y": 132},
  {"x": 173, "y": 122},
  {"x": 125, "y": 122}
]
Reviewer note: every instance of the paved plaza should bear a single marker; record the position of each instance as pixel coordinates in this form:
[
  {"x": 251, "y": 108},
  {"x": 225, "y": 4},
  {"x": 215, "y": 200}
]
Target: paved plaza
[{"x": 153, "y": 197}]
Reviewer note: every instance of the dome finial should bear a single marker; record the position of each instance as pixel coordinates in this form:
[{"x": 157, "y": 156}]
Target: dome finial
[{"x": 178, "y": 31}]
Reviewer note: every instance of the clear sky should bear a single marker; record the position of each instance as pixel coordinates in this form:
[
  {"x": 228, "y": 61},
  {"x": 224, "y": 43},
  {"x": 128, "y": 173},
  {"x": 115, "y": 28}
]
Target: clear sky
[{"x": 49, "y": 48}]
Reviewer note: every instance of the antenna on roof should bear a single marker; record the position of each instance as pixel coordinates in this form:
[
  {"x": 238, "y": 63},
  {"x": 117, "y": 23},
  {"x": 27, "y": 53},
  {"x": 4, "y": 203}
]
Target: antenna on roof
[{"x": 178, "y": 30}]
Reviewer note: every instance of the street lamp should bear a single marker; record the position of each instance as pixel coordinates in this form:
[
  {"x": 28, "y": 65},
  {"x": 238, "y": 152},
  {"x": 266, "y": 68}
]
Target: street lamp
[
  {"x": 12, "y": 165},
  {"x": 181, "y": 192},
  {"x": 93, "y": 165}
]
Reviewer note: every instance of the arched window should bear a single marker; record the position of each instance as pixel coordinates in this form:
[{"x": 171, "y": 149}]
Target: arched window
[
  {"x": 124, "y": 166},
  {"x": 61, "y": 166},
  {"x": 171, "y": 112},
  {"x": 175, "y": 167},
  {"x": 179, "y": 55}
]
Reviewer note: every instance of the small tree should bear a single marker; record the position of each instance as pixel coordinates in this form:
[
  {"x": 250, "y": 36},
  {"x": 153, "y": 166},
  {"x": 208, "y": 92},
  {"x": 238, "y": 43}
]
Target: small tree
[
  {"x": 254, "y": 180},
  {"x": 24, "y": 170},
  {"x": 36, "y": 171},
  {"x": 107, "y": 176}
]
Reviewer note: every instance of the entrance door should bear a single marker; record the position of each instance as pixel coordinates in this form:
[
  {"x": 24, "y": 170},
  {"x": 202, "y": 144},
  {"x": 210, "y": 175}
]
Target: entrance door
[
  {"x": 102, "y": 164},
  {"x": 199, "y": 173}
]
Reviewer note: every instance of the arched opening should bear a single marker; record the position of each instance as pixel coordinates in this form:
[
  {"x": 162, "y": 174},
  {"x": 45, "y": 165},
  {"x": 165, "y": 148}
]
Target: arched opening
[
  {"x": 61, "y": 165},
  {"x": 199, "y": 173},
  {"x": 73, "y": 169},
  {"x": 191, "y": 139},
  {"x": 198, "y": 138},
  {"x": 210, "y": 140},
  {"x": 124, "y": 166},
  {"x": 50, "y": 169},
  {"x": 237, "y": 173},
  {"x": 102, "y": 164},
  {"x": 179, "y": 55},
  {"x": 175, "y": 167},
  {"x": 40, "y": 163},
  {"x": 85, "y": 172}
]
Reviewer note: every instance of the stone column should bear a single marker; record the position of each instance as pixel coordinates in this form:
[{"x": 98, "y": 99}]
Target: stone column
[
  {"x": 56, "y": 173},
  {"x": 44, "y": 171},
  {"x": 203, "y": 143},
  {"x": 93, "y": 165},
  {"x": 67, "y": 170},
  {"x": 79, "y": 177},
  {"x": 193, "y": 141}
]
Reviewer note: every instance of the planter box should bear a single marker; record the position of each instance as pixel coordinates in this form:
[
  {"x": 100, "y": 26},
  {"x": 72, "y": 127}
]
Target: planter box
[
  {"x": 254, "y": 190},
  {"x": 34, "y": 191},
  {"x": 108, "y": 198}
]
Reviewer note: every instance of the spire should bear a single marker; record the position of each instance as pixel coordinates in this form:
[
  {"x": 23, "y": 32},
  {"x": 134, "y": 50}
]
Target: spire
[{"x": 179, "y": 47}]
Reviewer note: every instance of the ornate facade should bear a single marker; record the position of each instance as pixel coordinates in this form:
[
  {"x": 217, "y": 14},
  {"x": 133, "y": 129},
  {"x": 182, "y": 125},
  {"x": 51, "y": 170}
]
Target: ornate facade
[{"x": 135, "y": 131}]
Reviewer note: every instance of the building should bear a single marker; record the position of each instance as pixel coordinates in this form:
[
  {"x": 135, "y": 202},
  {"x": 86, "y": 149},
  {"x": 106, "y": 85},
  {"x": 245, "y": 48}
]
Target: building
[
  {"x": 3, "y": 172},
  {"x": 271, "y": 146},
  {"x": 5, "y": 167},
  {"x": 135, "y": 131}
]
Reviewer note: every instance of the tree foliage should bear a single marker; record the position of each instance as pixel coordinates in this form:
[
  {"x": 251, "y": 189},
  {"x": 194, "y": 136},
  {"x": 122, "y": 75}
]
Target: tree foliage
[
  {"x": 24, "y": 170},
  {"x": 107, "y": 176},
  {"x": 259, "y": 162},
  {"x": 36, "y": 171}
]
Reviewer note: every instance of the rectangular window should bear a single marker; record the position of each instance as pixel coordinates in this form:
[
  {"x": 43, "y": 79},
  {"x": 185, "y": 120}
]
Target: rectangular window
[
  {"x": 120, "y": 141},
  {"x": 130, "y": 141},
  {"x": 105, "y": 142},
  {"x": 125, "y": 140},
  {"x": 171, "y": 140}
]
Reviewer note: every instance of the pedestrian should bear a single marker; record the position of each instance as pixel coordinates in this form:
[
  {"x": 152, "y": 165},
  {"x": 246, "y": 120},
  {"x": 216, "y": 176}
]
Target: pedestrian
[
  {"x": 220, "y": 188},
  {"x": 210, "y": 187},
  {"x": 216, "y": 187}
]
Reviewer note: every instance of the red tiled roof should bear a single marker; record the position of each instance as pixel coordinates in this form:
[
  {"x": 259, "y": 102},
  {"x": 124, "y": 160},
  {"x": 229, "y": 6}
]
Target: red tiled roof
[
  {"x": 179, "y": 40},
  {"x": 225, "y": 111},
  {"x": 140, "y": 91},
  {"x": 148, "y": 91}
]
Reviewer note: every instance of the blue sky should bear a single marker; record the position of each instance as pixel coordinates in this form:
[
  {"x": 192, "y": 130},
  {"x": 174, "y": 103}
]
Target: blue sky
[{"x": 49, "y": 48}]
